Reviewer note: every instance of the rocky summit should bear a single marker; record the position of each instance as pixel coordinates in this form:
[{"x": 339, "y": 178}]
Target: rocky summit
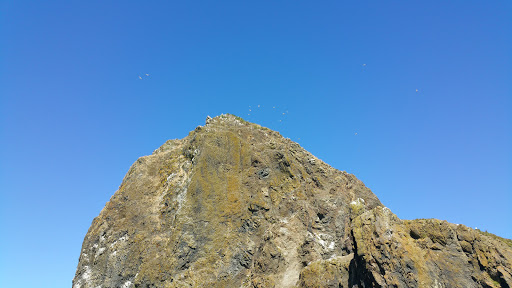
[{"x": 235, "y": 204}]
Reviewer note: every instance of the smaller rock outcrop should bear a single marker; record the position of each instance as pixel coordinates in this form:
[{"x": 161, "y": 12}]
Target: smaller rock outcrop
[{"x": 427, "y": 253}]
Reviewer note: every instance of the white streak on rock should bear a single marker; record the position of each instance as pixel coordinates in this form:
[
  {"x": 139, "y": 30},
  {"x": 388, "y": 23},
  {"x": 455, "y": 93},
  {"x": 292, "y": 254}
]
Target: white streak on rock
[
  {"x": 357, "y": 201},
  {"x": 170, "y": 176},
  {"x": 100, "y": 251},
  {"x": 122, "y": 239},
  {"x": 85, "y": 277}
]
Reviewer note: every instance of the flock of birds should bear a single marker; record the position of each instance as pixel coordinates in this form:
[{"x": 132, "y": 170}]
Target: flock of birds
[
  {"x": 274, "y": 107},
  {"x": 275, "y": 113},
  {"x": 283, "y": 114}
]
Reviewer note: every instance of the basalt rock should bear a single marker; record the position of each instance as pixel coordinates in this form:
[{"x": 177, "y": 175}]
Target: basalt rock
[{"x": 235, "y": 204}]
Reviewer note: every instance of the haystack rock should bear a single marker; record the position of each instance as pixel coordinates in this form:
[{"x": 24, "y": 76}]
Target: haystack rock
[{"x": 235, "y": 204}]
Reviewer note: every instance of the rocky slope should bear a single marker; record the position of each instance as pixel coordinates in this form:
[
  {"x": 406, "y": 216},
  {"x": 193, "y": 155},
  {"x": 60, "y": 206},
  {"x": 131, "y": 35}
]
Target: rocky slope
[{"x": 234, "y": 204}]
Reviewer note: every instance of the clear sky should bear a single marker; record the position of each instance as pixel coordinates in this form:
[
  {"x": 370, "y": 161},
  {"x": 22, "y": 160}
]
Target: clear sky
[{"x": 413, "y": 97}]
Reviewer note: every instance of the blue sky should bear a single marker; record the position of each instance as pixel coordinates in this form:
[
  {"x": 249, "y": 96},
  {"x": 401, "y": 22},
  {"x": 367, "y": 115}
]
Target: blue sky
[{"x": 426, "y": 85}]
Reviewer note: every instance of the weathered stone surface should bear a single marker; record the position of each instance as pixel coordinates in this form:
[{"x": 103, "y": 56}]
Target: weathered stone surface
[
  {"x": 427, "y": 253},
  {"x": 234, "y": 204}
]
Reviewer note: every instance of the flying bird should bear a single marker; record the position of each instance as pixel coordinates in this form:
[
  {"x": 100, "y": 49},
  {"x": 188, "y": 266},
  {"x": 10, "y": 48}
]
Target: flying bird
[
  {"x": 147, "y": 74},
  {"x": 140, "y": 78}
]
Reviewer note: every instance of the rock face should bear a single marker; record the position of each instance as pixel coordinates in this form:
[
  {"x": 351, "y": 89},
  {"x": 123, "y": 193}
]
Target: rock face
[{"x": 234, "y": 204}]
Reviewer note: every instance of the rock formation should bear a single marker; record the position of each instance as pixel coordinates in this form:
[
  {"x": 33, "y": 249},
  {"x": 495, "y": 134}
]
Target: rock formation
[{"x": 235, "y": 204}]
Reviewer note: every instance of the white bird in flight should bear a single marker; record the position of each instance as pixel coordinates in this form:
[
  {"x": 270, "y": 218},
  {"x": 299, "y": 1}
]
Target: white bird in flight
[{"x": 140, "y": 78}]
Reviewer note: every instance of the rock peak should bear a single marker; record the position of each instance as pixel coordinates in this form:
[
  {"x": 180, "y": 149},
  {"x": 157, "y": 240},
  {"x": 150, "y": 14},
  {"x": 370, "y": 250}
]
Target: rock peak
[{"x": 228, "y": 120}]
